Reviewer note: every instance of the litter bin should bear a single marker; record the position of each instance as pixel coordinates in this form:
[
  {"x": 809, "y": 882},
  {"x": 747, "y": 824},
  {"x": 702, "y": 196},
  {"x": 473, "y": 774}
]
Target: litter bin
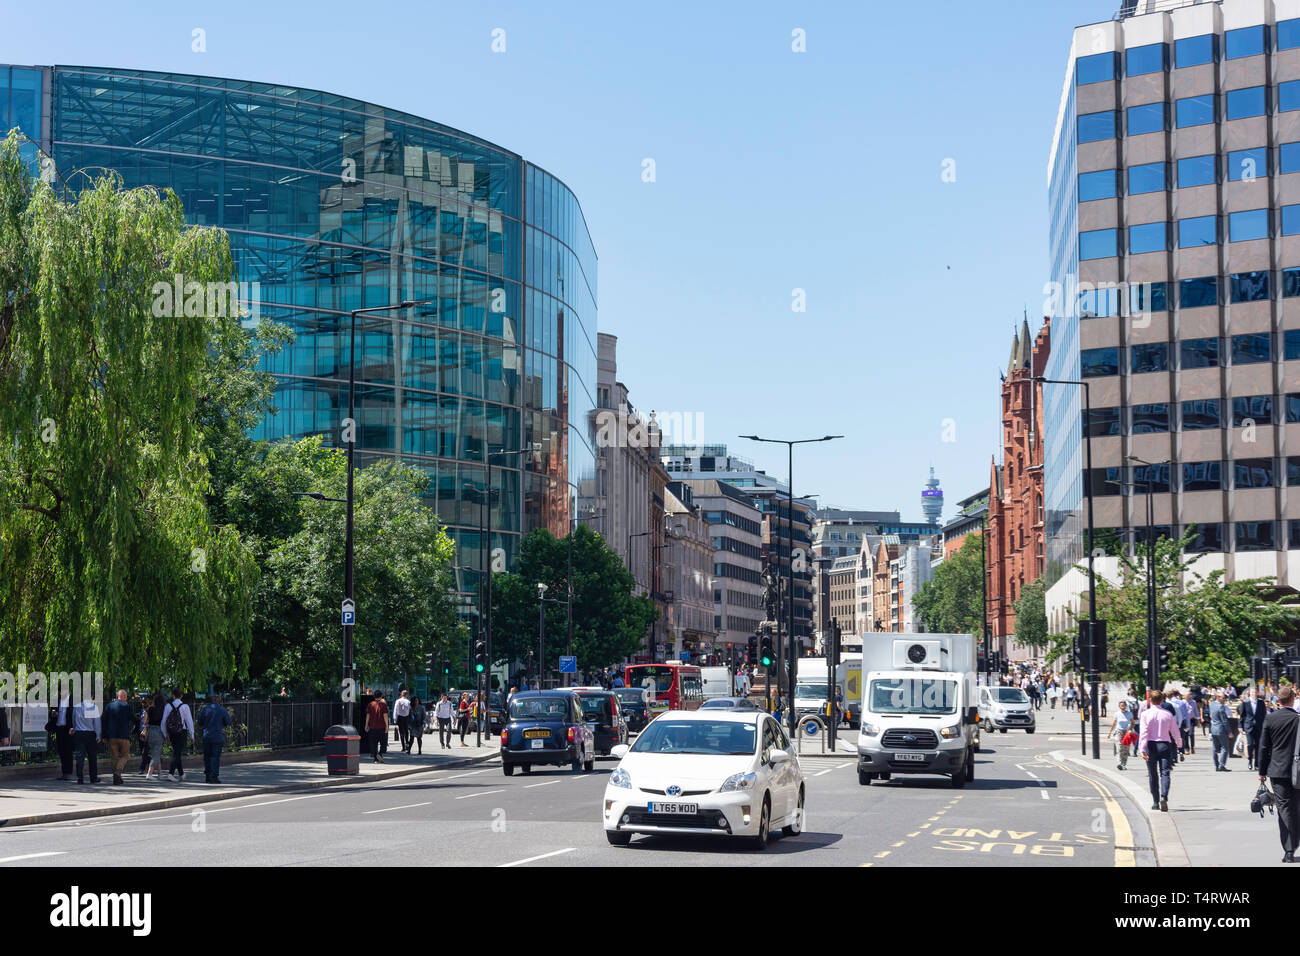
[{"x": 343, "y": 749}]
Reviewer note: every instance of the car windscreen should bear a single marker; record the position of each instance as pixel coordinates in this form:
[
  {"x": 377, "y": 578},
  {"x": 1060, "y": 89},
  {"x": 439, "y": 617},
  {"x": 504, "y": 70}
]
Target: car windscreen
[
  {"x": 594, "y": 706},
  {"x": 717, "y": 738},
  {"x": 719, "y": 703},
  {"x": 1010, "y": 695},
  {"x": 631, "y": 695},
  {"x": 810, "y": 691},
  {"x": 913, "y": 695},
  {"x": 658, "y": 679},
  {"x": 539, "y": 708}
]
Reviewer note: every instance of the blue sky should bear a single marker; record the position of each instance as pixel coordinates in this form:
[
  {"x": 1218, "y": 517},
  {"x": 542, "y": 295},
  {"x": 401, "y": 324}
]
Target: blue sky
[{"x": 775, "y": 171}]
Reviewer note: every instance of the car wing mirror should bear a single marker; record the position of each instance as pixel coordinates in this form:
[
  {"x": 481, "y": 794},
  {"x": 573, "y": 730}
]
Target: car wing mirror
[
  {"x": 619, "y": 751},
  {"x": 776, "y": 755}
]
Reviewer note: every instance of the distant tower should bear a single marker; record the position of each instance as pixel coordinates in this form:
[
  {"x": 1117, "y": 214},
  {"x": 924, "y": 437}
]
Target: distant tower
[{"x": 932, "y": 500}]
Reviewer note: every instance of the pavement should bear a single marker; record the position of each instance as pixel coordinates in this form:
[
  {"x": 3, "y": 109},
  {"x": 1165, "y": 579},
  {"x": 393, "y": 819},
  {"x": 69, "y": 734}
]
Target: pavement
[{"x": 47, "y": 800}]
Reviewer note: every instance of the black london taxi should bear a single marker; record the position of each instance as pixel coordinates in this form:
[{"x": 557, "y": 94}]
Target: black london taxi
[
  {"x": 547, "y": 727},
  {"x": 604, "y": 716}
]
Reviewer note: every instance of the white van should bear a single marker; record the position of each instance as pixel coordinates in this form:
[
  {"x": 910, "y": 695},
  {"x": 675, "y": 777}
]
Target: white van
[{"x": 717, "y": 682}]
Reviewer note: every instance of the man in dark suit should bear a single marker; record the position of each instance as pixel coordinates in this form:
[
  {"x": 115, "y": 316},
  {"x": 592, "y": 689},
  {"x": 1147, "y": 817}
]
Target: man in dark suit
[
  {"x": 1253, "y": 712},
  {"x": 1276, "y": 751}
]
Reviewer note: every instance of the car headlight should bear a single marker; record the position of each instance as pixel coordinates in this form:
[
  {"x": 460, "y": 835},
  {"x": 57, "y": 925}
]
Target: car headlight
[
  {"x": 738, "y": 781},
  {"x": 620, "y": 778},
  {"x": 950, "y": 732},
  {"x": 870, "y": 730}
]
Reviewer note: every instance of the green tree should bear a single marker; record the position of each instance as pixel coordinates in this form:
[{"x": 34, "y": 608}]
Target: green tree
[
  {"x": 108, "y": 557},
  {"x": 952, "y": 602},
  {"x": 610, "y": 622},
  {"x": 1031, "y": 615}
]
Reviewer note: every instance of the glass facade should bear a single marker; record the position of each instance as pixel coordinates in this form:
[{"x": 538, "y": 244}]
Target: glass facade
[{"x": 333, "y": 204}]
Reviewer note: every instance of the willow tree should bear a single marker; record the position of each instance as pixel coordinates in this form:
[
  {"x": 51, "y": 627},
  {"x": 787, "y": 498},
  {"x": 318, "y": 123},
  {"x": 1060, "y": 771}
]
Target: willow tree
[{"x": 108, "y": 558}]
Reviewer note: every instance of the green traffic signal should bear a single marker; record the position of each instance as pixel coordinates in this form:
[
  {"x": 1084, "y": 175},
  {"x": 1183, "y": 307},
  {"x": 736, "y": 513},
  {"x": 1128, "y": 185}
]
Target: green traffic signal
[{"x": 478, "y": 668}]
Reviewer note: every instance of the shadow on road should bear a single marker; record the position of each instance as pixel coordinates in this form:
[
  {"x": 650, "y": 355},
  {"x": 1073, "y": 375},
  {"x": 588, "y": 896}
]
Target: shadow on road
[{"x": 778, "y": 843}]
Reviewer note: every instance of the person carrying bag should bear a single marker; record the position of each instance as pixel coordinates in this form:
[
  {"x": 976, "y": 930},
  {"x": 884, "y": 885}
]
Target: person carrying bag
[{"x": 1279, "y": 763}]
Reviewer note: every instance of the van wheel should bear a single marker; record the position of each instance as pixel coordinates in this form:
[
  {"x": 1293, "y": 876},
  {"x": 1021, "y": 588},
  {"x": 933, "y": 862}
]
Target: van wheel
[
  {"x": 959, "y": 777},
  {"x": 526, "y": 768},
  {"x": 884, "y": 776},
  {"x": 970, "y": 769},
  {"x": 865, "y": 778}
]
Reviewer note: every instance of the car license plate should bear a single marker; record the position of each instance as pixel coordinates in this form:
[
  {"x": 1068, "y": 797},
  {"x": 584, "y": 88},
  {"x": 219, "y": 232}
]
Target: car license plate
[
  {"x": 914, "y": 758},
  {"x": 691, "y": 808},
  {"x": 537, "y": 744},
  {"x": 530, "y": 734}
]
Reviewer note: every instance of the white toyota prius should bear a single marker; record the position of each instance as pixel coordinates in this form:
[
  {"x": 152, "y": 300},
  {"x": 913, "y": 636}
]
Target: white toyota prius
[{"x": 717, "y": 772}]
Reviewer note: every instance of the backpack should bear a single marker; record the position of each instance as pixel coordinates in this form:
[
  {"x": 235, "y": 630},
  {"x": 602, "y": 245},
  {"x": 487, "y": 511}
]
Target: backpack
[{"x": 175, "y": 723}]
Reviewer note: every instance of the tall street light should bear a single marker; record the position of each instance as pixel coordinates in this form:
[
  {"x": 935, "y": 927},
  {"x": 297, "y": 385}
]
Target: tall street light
[
  {"x": 789, "y": 444},
  {"x": 486, "y": 569},
  {"x": 1092, "y": 622},
  {"x": 1153, "y": 656}
]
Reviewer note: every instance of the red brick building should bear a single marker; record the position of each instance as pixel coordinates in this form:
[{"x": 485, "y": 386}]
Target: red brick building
[{"x": 1015, "y": 515}]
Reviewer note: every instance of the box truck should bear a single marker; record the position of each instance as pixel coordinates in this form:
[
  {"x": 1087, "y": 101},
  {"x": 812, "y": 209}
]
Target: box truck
[
  {"x": 810, "y": 690},
  {"x": 919, "y": 712}
]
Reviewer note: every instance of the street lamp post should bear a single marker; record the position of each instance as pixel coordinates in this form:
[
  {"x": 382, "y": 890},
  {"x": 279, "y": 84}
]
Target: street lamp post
[
  {"x": 541, "y": 630},
  {"x": 789, "y": 444},
  {"x": 487, "y": 568},
  {"x": 1092, "y": 576}
]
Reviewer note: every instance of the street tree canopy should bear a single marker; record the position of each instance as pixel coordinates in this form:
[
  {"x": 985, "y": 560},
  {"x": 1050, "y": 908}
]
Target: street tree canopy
[{"x": 952, "y": 602}]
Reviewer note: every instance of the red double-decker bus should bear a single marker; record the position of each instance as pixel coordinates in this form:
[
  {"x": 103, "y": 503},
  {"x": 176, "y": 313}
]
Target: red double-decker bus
[{"x": 671, "y": 686}]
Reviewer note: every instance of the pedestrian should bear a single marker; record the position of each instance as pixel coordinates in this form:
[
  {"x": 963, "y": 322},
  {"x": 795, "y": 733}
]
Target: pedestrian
[
  {"x": 1253, "y": 713},
  {"x": 377, "y": 726},
  {"x": 417, "y": 726},
  {"x": 618, "y": 679},
  {"x": 778, "y": 707},
  {"x": 1122, "y": 725},
  {"x": 154, "y": 735},
  {"x": 443, "y": 715},
  {"x": 1220, "y": 730},
  {"x": 214, "y": 719},
  {"x": 462, "y": 714},
  {"x": 1157, "y": 741},
  {"x": 1069, "y": 696},
  {"x": 178, "y": 724},
  {"x": 1194, "y": 715},
  {"x": 1277, "y": 753},
  {"x": 402, "y": 714},
  {"x": 60, "y": 724},
  {"x": 87, "y": 732},
  {"x": 142, "y": 727},
  {"x": 117, "y": 728}
]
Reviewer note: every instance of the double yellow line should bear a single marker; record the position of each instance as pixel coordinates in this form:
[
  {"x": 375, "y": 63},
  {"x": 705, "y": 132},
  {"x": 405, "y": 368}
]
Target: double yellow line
[{"x": 1124, "y": 853}]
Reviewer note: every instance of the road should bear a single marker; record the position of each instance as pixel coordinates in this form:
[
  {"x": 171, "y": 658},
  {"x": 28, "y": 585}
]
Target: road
[{"x": 1022, "y": 809}]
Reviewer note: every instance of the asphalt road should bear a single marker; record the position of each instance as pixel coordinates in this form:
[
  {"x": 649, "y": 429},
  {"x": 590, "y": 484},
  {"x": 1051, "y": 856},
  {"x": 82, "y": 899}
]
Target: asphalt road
[{"x": 1022, "y": 809}]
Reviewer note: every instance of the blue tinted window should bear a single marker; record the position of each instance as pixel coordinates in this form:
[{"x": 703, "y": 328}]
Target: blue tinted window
[
  {"x": 1148, "y": 237},
  {"x": 1207, "y": 537},
  {"x": 1096, "y": 126},
  {"x": 1096, "y": 68},
  {"x": 1290, "y": 220},
  {"x": 1248, "y": 164},
  {"x": 1248, "y": 287},
  {"x": 1102, "y": 422},
  {"x": 1199, "y": 415},
  {"x": 1251, "y": 224},
  {"x": 1158, "y": 478},
  {"x": 1149, "y": 419},
  {"x": 1248, "y": 41},
  {"x": 1288, "y": 96},
  {"x": 1099, "y": 244},
  {"x": 4, "y": 99},
  {"x": 1098, "y": 185},
  {"x": 1253, "y": 408},
  {"x": 1290, "y": 283},
  {"x": 1291, "y": 344},
  {"x": 1288, "y": 34},
  {"x": 1199, "y": 353},
  {"x": 1197, "y": 171},
  {"x": 1288, "y": 158},
  {"x": 1292, "y": 407},
  {"x": 1150, "y": 357},
  {"x": 1194, "y": 293},
  {"x": 1202, "y": 475},
  {"x": 1253, "y": 472},
  {"x": 1252, "y": 348},
  {"x": 1147, "y": 118},
  {"x": 1147, "y": 178},
  {"x": 1255, "y": 535},
  {"x": 1096, "y": 303},
  {"x": 1145, "y": 59},
  {"x": 1199, "y": 231},
  {"x": 1147, "y": 297},
  {"x": 1096, "y": 362},
  {"x": 1107, "y": 481},
  {"x": 1252, "y": 101},
  {"x": 1193, "y": 51},
  {"x": 1196, "y": 110}
]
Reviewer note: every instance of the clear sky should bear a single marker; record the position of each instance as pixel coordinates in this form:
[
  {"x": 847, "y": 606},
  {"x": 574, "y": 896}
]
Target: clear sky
[{"x": 774, "y": 171}]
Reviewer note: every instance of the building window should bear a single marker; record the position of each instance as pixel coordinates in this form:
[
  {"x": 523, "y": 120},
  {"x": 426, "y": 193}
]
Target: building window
[
  {"x": 1097, "y": 126},
  {"x": 1149, "y": 357},
  {"x": 1197, "y": 171},
  {"x": 1290, "y": 282},
  {"x": 1252, "y": 101},
  {"x": 1257, "y": 409},
  {"x": 1098, "y": 185},
  {"x": 1288, "y": 158},
  {"x": 1110, "y": 541},
  {"x": 1199, "y": 353},
  {"x": 1248, "y": 164},
  {"x": 1205, "y": 538},
  {"x": 1098, "y": 302},
  {"x": 1146, "y": 118},
  {"x": 1291, "y": 344},
  {"x": 1200, "y": 414},
  {"x": 1248, "y": 287},
  {"x": 1191, "y": 111},
  {"x": 1099, "y": 362},
  {"x": 1096, "y": 68},
  {"x": 1157, "y": 476},
  {"x": 1099, "y": 244},
  {"x": 1150, "y": 297},
  {"x": 1107, "y": 481},
  {"x": 1255, "y": 535},
  {"x": 1102, "y": 422},
  {"x": 1152, "y": 58},
  {"x": 1193, "y": 51},
  {"x": 1147, "y": 178},
  {"x": 1202, "y": 476},
  {"x": 1248, "y": 225},
  {"x": 1290, "y": 220},
  {"x": 1253, "y": 472},
  {"x": 1148, "y": 237},
  {"x": 1292, "y": 403},
  {"x": 1288, "y": 34},
  {"x": 1248, "y": 41},
  {"x": 1199, "y": 231},
  {"x": 1150, "y": 419},
  {"x": 1288, "y": 96},
  {"x": 1252, "y": 348},
  {"x": 1293, "y": 471}
]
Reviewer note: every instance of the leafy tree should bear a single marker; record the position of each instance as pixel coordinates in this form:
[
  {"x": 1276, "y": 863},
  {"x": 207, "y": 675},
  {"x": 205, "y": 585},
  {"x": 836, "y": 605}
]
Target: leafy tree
[
  {"x": 108, "y": 558},
  {"x": 610, "y": 622},
  {"x": 1031, "y": 615},
  {"x": 952, "y": 602}
]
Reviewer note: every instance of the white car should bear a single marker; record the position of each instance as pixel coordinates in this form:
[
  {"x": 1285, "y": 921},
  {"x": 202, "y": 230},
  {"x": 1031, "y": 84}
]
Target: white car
[{"x": 715, "y": 772}]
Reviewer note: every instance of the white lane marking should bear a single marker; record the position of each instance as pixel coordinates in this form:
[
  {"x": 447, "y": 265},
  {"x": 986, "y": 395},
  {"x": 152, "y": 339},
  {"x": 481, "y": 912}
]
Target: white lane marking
[
  {"x": 842, "y": 766},
  {"x": 481, "y": 793},
  {"x": 470, "y": 774},
  {"x": 408, "y": 806},
  {"x": 1044, "y": 795},
  {"x": 267, "y": 803},
  {"x": 567, "y": 849},
  {"x": 32, "y": 856},
  {"x": 546, "y": 784},
  {"x": 823, "y": 772}
]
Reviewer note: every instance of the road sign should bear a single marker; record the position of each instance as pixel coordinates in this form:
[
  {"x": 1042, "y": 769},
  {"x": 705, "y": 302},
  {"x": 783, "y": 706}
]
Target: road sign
[
  {"x": 349, "y": 611},
  {"x": 810, "y": 728},
  {"x": 684, "y": 655},
  {"x": 568, "y": 664}
]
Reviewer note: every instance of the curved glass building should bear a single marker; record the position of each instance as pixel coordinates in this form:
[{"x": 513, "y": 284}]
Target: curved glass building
[{"x": 331, "y": 205}]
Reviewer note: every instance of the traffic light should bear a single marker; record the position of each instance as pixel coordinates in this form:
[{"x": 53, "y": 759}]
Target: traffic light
[
  {"x": 765, "y": 656},
  {"x": 1162, "y": 658},
  {"x": 480, "y": 656},
  {"x": 428, "y": 662},
  {"x": 1258, "y": 670},
  {"x": 981, "y": 662}
]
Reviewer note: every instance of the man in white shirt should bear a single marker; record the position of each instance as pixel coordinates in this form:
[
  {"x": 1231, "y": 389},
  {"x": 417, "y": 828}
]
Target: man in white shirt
[
  {"x": 185, "y": 723},
  {"x": 402, "y": 714},
  {"x": 444, "y": 721},
  {"x": 88, "y": 733}
]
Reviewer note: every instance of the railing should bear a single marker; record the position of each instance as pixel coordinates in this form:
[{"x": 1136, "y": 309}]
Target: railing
[{"x": 801, "y": 731}]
